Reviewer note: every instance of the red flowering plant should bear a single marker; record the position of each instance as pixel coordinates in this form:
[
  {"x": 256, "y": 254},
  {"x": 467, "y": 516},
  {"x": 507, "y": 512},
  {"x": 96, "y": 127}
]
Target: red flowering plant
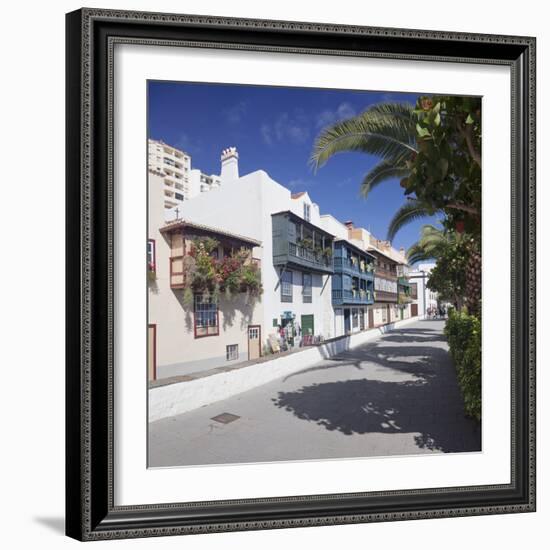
[{"x": 207, "y": 275}]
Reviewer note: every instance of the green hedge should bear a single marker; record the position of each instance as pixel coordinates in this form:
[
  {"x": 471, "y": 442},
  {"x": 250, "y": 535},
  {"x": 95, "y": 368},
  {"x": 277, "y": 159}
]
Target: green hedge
[{"x": 463, "y": 333}]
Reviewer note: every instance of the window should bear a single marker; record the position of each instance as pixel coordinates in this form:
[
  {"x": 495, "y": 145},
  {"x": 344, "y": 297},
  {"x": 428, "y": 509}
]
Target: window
[
  {"x": 385, "y": 285},
  {"x": 286, "y": 286},
  {"x": 151, "y": 260},
  {"x": 179, "y": 196},
  {"x": 232, "y": 352},
  {"x": 307, "y": 212},
  {"x": 292, "y": 232},
  {"x": 206, "y": 316},
  {"x": 306, "y": 288}
]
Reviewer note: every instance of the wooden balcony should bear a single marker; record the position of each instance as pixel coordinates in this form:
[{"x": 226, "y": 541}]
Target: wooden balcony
[
  {"x": 290, "y": 235},
  {"x": 346, "y": 265},
  {"x": 383, "y": 296},
  {"x": 352, "y": 297}
]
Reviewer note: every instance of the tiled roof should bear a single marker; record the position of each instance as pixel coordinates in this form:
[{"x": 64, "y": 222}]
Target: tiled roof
[{"x": 177, "y": 224}]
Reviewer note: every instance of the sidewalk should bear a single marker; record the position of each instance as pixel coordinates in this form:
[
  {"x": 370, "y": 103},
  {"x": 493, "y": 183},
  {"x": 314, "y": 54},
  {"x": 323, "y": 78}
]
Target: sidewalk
[
  {"x": 392, "y": 396},
  {"x": 179, "y": 394}
]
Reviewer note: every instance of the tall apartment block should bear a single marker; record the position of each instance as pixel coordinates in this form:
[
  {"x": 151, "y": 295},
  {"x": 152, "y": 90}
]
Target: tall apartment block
[{"x": 179, "y": 181}]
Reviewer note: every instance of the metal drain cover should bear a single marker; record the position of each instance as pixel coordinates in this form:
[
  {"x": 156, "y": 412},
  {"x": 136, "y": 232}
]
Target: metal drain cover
[{"x": 225, "y": 418}]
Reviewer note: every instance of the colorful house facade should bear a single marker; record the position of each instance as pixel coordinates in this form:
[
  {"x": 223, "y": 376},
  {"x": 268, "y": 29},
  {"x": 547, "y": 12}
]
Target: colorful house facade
[{"x": 319, "y": 278}]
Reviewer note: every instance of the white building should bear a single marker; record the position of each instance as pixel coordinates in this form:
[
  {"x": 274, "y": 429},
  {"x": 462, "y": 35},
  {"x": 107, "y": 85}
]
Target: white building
[
  {"x": 294, "y": 254},
  {"x": 172, "y": 166},
  {"x": 317, "y": 274},
  {"x": 187, "y": 338},
  {"x": 180, "y": 181},
  {"x": 423, "y": 297}
]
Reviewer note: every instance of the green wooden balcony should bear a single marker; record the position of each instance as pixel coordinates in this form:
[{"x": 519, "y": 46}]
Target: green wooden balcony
[
  {"x": 352, "y": 297},
  {"x": 300, "y": 244}
]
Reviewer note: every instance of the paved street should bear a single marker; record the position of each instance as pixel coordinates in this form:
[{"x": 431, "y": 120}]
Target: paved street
[{"x": 393, "y": 396}]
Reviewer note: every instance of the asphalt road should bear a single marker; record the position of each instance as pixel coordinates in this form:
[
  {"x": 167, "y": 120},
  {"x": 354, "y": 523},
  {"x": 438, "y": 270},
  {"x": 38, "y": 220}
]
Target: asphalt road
[{"x": 397, "y": 395}]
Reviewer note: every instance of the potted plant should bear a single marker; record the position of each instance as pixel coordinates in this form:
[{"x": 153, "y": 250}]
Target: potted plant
[{"x": 307, "y": 243}]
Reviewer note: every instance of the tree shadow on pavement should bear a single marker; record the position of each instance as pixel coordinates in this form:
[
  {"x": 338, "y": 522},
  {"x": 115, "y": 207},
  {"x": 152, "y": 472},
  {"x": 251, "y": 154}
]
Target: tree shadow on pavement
[
  {"x": 422, "y": 361},
  {"x": 370, "y": 406},
  {"x": 427, "y": 403},
  {"x": 412, "y": 338}
]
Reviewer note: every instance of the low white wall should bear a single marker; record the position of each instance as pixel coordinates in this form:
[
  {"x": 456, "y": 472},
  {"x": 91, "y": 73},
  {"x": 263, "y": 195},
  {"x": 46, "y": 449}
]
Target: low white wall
[{"x": 173, "y": 399}]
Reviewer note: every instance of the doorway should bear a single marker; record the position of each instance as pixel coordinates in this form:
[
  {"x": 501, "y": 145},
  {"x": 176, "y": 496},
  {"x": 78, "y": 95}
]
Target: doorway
[
  {"x": 254, "y": 341},
  {"x": 347, "y": 321},
  {"x": 152, "y": 352},
  {"x": 308, "y": 325}
]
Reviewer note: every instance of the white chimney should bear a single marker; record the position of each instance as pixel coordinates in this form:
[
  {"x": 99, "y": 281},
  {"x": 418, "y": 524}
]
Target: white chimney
[{"x": 230, "y": 165}]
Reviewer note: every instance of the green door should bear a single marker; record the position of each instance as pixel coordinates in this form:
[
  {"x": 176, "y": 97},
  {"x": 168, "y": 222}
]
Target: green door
[{"x": 307, "y": 325}]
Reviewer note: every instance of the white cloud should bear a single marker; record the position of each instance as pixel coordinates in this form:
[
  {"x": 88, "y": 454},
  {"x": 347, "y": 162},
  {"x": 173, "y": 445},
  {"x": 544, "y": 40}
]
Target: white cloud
[
  {"x": 235, "y": 114},
  {"x": 328, "y": 117},
  {"x": 293, "y": 127},
  {"x": 297, "y": 127},
  {"x": 267, "y": 134}
]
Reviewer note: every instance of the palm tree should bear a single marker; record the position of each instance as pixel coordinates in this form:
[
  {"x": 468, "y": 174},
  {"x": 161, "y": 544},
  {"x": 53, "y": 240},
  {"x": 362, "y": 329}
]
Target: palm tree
[
  {"x": 463, "y": 272},
  {"x": 448, "y": 277},
  {"x": 411, "y": 210},
  {"x": 433, "y": 243},
  {"x": 390, "y": 131},
  {"x": 387, "y": 130}
]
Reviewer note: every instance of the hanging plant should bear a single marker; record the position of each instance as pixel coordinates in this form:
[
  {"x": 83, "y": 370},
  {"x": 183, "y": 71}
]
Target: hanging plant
[
  {"x": 307, "y": 243},
  {"x": 188, "y": 297},
  {"x": 205, "y": 274}
]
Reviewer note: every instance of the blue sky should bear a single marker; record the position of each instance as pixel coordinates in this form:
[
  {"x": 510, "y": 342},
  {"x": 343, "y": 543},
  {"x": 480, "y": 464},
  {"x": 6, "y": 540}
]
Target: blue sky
[{"x": 274, "y": 129}]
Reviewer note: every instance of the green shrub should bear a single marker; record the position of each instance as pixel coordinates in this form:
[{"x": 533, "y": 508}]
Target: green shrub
[{"x": 463, "y": 333}]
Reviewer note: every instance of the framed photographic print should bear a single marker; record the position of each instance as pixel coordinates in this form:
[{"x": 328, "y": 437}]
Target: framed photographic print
[{"x": 300, "y": 274}]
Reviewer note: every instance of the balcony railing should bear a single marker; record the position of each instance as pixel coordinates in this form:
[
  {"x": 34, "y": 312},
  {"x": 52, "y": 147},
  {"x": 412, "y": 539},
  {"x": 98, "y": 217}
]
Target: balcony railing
[
  {"x": 380, "y": 271},
  {"x": 341, "y": 264},
  {"x": 307, "y": 257},
  {"x": 361, "y": 297},
  {"x": 385, "y": 296},
  {"x": 301, "y": 245},
  {"x": 254, "y": 261}
]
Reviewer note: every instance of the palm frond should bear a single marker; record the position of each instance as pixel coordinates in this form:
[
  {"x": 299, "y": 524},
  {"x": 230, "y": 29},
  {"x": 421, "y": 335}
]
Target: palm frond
[
  {"x": 433, "y": 242},
  {"x": 383, "y": 171},
  {"x": 420, "y": 257},
  {"x": 417, "y": 254},
  {"x": 386, "y": 130},
  {"x": 410, "y": 211}
]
